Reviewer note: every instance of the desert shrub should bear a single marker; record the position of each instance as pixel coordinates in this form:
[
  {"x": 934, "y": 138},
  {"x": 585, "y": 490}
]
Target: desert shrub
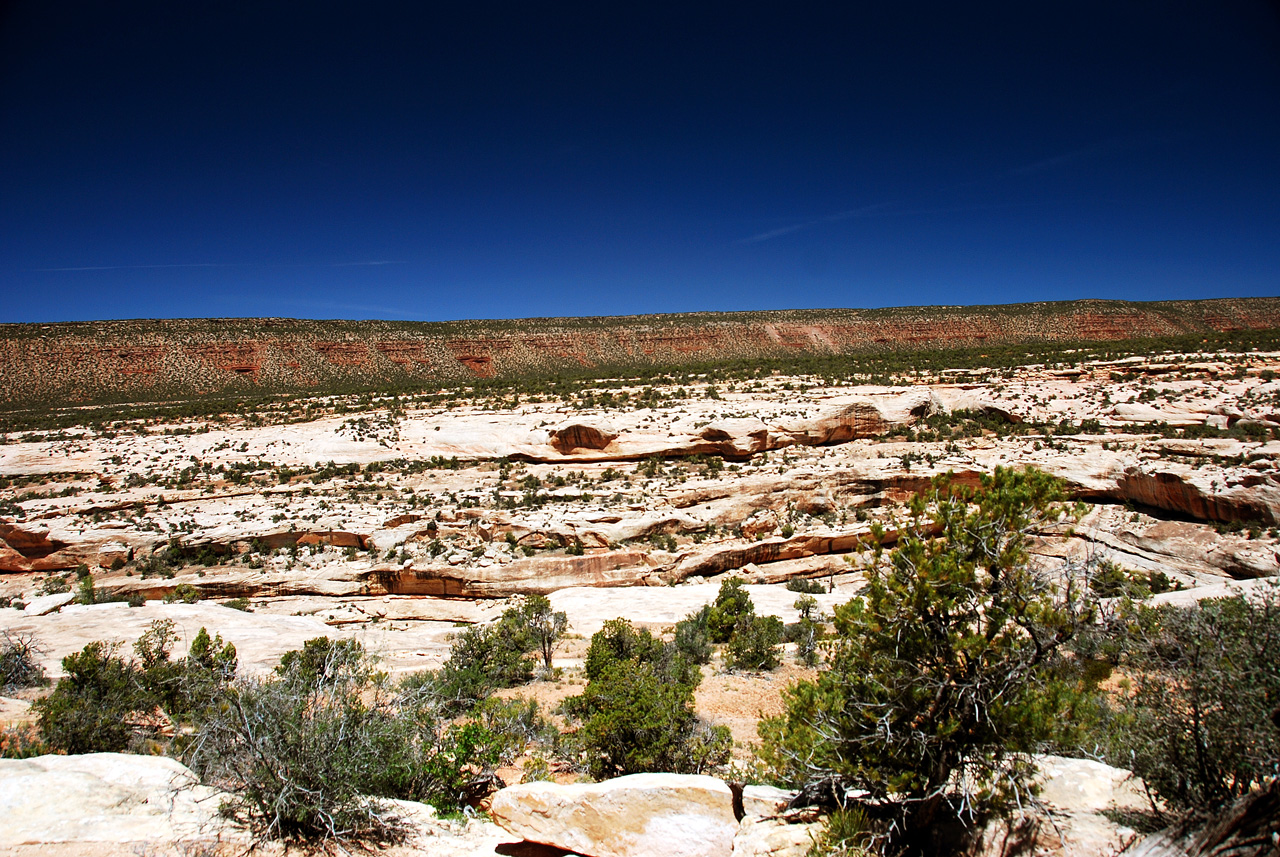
[
  {"x": 54, "y": 584},
  {"x": 754, "y": 644},
  {"x": 1199, "y": 720},
  {"x": 306, "y": 759},
  {"x": 311, "y": 751},
  {"x": 846, "y": 832},
  {"x": 90, "y": 708},
  {"x": 322, "y": 661},
  {"x": 106, "y": 703},
  {"x": 22, "y": 741},
  {"x": 806, "y": 633},
  {"x": 946, "y": 674},
  {"x": 20, "y": 662},
  {"x": 732, "y": 603},
  {"x": 514, "y": 725},
  {"x": 636, "y": 712},
  {"x": 183, "y": 593},
  {"x": 804, "y": 585},
  {"x": 482, "y": 659},
  {"x": 539, "y": 623},
  {"x": 485, "y": 658},
  {"x": 692, "y": 639}
]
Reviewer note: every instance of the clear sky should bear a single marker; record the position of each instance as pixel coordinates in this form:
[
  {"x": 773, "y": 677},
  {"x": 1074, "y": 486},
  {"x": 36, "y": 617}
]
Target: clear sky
[{"x": 440, "y": 160}]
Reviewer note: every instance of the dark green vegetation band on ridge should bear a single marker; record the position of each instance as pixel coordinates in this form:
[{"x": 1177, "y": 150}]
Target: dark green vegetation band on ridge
[{"x": 192, "y": 367}]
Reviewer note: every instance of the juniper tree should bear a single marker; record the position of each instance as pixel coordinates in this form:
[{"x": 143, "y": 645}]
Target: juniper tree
[{"x": 946, "y": 673}]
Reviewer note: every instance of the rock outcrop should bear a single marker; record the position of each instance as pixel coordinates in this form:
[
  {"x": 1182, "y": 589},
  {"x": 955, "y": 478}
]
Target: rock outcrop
[
  {"x": 640, "y": 815},
  {"x": 572, "y": 435},
  {"x": 107, "y": 798},
  {"x": 1078, "y": 798}
]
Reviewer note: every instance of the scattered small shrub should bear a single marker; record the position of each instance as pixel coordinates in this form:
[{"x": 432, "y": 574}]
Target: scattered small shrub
[
  {"x": 183, "y": 593},
  {"x": 19, "y": 662},
  {"x": 636, "y": 712},
  {"x": 804, "y": 585},
  {"x": 732, "y": 604},
  {"x": 754, "y": 643},
  {"x": 692, "y": 639}
]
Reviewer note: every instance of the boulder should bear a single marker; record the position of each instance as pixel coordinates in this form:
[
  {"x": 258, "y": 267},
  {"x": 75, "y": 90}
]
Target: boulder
[
  {"x": 110, "y": 552},
  {"x": 737, "y": 438},
  {"x": 1077, "y": 793},
  {"x": 775, "y": 837},
  {"x": 763, "y": 801},
  {"x": 673, "y": 815},
  {"x": 106, "y": 797},
  {"x": 43, "y": 605}
]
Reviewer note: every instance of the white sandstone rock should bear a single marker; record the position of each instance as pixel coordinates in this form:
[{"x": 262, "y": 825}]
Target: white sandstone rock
[
  {"x": 672, "y": 815},
  {"x": 105, "y": 797}
]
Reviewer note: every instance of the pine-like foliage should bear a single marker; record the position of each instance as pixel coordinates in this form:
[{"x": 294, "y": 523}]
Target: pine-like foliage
[{"x": 945, "y": 674}]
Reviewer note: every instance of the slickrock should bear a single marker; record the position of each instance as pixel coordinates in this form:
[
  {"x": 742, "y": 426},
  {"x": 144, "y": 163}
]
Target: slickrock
[
  {"x": 259, "y": 639},
  {"x": 107, "y": 798},
  {"x": 674, "y": 815},
  {"x": 590, "y": 608},
  {"x": 534, "y": 575},
  {"x": 46, "y": 604}
]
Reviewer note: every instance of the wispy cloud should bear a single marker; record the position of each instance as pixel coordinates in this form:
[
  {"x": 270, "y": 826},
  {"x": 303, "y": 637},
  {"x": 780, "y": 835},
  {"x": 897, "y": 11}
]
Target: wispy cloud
[
  {"x": 1086, "y": 153},
  {"x": 361, "y": 264},
  {"x": 1061, "y": 160},
  {"x": 852, "y": 213}
]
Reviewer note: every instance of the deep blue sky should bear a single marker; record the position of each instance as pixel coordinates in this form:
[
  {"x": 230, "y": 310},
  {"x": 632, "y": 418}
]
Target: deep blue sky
[{"x": 437, "y": 160}]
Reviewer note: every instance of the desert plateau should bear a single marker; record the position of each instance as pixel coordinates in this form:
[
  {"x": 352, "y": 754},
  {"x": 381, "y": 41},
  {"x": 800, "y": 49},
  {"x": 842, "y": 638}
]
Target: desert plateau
[{"x": 395, "y": 519}]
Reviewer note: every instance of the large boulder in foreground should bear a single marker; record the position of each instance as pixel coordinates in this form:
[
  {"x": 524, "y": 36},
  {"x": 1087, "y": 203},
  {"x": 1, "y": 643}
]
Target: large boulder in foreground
[
  {"x": 671, "y": 815},
  {"x": 104, "y": 798}
]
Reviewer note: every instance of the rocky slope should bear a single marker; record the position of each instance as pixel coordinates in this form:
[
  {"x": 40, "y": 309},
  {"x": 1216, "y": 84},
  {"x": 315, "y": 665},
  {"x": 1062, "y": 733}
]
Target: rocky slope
[{"x": 44, "y": 364}]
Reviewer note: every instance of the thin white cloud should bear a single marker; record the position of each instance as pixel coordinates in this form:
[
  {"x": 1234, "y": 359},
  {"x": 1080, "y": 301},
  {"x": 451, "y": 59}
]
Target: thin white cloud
[
  {"x": 865, "y": 211},
  {"x": 1086, "y": 153}
]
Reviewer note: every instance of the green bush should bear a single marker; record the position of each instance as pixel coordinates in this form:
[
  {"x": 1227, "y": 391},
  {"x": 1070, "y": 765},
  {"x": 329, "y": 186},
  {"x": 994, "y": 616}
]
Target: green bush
[
  {"x": 54, "y": 584},
  {"x": 322, "y": 662},
  {"x": 732, "y": 603},
  {"x": 636, "y": 712},
  {"x": 184, "y": 593},
  {"x": 485, "y": 658},
  {"x": 754, "y": 644},
  {"x": 946, "y": 674},
  {"x": 805, "y": 585},
  {"x": 692, "y": 639},
  {"x": 105, "y": 703},
  {"x": 806, "y": 633},
  {"x": 1198, "y": 723},
  {"x": 90, "y": 708}
]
